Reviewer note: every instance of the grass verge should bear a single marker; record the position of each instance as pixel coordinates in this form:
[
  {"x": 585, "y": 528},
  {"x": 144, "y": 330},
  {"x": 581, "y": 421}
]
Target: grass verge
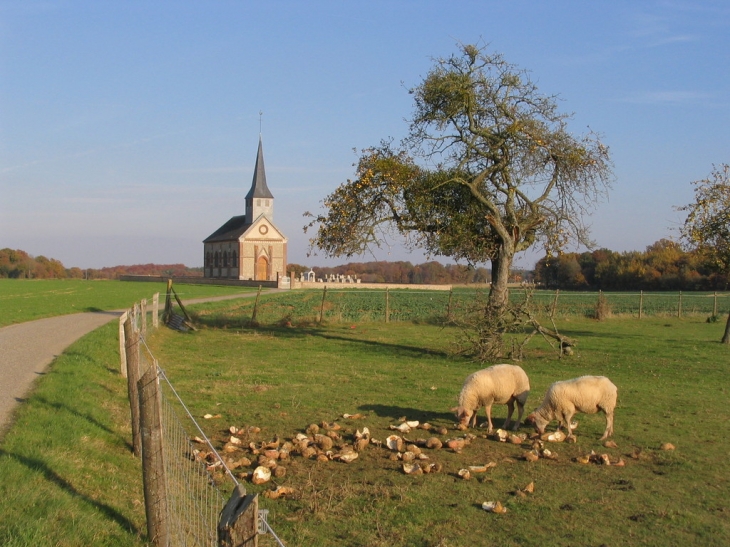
[{"x": 67, "y": 474}]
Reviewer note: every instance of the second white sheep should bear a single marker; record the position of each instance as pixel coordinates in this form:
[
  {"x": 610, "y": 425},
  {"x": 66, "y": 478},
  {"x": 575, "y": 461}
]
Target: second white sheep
[{"x": 588, "y": 394}]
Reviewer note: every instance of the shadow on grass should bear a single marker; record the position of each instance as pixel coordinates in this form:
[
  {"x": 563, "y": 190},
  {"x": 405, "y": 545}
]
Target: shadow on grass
[
  {"x": 315, "y": 331},
  {"x": 54, "y": 478},
  {"x": 93, "y": 309},
  {"x": 85, "y": 417},
  {"x": 380, "y": 347},
  {"x": 396, "y": 412}
]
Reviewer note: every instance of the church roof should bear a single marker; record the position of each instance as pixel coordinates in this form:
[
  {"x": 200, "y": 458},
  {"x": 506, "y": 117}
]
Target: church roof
[
  {"x": 258, "y": 186},
  {"x": 231, "y": 230}
]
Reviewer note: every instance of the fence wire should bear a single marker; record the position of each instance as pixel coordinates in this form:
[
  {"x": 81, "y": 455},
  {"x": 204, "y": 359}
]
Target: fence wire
[{"x": 194, "y": 500}]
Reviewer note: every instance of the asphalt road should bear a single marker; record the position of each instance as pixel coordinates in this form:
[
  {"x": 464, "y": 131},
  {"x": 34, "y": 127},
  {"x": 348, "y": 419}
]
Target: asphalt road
[{"x": 26, "y": 350}]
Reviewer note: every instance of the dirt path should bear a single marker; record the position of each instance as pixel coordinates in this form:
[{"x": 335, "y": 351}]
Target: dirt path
[{"x": 26, "y": 350}]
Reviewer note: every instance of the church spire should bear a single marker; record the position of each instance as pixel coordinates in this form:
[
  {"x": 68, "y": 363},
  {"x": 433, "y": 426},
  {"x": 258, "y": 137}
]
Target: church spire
[
  {"x": 259, "y": 199},
  {"x": 258, "y": 185}
]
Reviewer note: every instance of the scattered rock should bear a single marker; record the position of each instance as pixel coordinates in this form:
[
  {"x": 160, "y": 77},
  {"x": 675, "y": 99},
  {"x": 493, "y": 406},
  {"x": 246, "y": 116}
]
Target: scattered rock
[
  {"x": 464, "y": 474},
  {"x": 494, "y": 507},
  {"x": 261, "y": 475}
]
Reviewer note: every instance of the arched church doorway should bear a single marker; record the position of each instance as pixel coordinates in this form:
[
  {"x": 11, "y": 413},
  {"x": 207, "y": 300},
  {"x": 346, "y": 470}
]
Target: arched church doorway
[{"x": 262, "y": 269}]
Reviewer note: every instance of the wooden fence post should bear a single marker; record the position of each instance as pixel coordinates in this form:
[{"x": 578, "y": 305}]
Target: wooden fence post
[
  {"x": 123, "y": 345},
  {"x": 132, "y": 351},
  {"x": 256, "y": 306},
  {"x": 143, "y": 315},
  {"x": 153, "y": 469},
  {"x": 321, "y": 308},
  {"x": 387, "y": 305},
  {"x": 238, "y": 524},
  {"x": 155, "y": 310},
  {"x": 135, "y": 317},
  {"x": 641, "y": 303},
  {"x": 448, "y": 306},
  {"x": 679, "y": 307},
  {"x": 168, "y": 303},
  {"x": 714, "y": 305}
]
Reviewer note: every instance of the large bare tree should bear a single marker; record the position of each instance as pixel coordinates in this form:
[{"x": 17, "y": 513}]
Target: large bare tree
[{"x": 488, "y": 169}]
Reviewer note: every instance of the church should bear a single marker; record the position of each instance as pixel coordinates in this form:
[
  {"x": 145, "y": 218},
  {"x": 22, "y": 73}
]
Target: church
[{"x": 249, "y": 246}]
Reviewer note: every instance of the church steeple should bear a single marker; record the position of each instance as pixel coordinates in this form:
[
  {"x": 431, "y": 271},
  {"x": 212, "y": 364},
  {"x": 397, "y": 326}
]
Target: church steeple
[{"x": 259, "y": 199}]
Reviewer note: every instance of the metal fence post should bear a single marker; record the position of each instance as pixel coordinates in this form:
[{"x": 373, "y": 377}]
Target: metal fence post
[
  {"x": 132, "y": 353},
  {"x": 153, "y": 469}
]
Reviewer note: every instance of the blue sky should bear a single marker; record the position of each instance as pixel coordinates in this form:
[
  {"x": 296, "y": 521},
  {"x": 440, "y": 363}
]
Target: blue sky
[{"x": 128, "y": 130}]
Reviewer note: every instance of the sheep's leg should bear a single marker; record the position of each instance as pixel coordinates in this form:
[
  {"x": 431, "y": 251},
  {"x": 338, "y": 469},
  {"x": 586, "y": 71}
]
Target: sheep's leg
[
  {"x": 520, "y": 411},
  {"x": 488, "y": 408},
  {"x": 473, "y": 419},
  {"x": 609, "y": 426},
  {"x": 510, "y": 410},
  {"x": 567, "y": 417}
]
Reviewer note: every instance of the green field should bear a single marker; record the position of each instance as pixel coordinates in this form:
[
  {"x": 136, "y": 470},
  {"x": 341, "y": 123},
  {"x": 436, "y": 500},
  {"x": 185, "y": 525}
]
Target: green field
[
  {"x": 26, "y": 300},
  {"x": 68, "y": 477},
  {"x": 371, "y": 305}
]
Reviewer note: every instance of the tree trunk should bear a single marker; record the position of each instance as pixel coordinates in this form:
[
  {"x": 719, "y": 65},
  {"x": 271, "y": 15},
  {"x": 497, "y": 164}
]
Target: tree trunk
[
  {"x": 499, "y": 292},
  {"x": 726, "y": 336}
]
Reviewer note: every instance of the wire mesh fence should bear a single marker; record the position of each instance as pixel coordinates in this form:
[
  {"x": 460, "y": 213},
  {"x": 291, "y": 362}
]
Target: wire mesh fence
[
  {"x": 187, "y": 494},
  {"x": 194, "y": 502},
  {"x": 632, "y": 304},
  {"x": 374, "y": 305}
]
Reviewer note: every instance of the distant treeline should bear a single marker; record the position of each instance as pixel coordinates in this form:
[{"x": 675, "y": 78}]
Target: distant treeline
[
  {"x": 16, "y": 264},
  {"x": 664, "y": 266}
]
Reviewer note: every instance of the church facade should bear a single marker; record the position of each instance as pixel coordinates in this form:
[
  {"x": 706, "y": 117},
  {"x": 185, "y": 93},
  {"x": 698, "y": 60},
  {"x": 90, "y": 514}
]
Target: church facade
[{"x": 249, "y": 246}]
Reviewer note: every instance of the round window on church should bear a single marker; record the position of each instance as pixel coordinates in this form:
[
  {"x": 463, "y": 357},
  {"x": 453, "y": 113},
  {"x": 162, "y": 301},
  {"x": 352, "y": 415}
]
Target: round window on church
[{"x": 263, "y": 229}]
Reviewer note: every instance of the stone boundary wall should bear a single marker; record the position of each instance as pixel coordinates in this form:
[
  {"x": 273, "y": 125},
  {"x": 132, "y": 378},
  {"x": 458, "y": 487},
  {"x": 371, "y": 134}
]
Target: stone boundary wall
[
  {"x": 273, "y": 284},
  {"x": 381, "y": 286},
  {"x": 200, "y": 281}
]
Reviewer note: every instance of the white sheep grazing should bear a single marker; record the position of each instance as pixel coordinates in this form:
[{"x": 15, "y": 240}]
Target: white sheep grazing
[
  {"x": 500, "y": 384},
  {"x": 587, "y": 394}
]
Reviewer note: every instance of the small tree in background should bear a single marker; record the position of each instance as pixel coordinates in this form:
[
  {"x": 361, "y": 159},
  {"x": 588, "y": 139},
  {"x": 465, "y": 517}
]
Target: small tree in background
[{"x": 707, "y": 227}]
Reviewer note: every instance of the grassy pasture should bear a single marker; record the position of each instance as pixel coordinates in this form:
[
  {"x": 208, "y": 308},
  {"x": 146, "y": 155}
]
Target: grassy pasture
[
  {"x": 671, "y": 378},
  {"x": 67, "y": 476},
  {"x": 26, "y": 300}
]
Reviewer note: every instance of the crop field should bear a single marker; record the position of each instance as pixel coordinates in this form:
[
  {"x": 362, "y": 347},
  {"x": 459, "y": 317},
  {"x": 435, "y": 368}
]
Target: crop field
[
  {"x": 363, "y": 305},
  {"x": 68, "y": 477}
]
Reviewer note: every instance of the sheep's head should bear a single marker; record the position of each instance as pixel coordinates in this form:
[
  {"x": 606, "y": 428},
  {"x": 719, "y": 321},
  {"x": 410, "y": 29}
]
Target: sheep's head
[
  {"x": 537, "y": 421},
  {"x": 463, "y": 415}
]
